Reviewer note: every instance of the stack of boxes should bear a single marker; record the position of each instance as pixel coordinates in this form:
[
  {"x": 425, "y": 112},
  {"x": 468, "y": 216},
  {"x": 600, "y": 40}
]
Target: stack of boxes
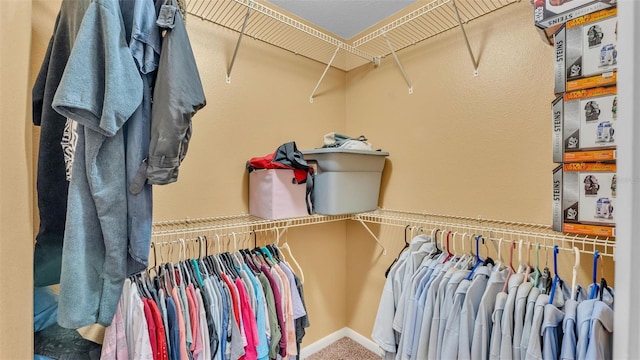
[{"x": 584, "y": 116}]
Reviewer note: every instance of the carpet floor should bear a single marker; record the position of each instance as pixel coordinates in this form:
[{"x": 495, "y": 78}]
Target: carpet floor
[{"x": 344, "y": 349}]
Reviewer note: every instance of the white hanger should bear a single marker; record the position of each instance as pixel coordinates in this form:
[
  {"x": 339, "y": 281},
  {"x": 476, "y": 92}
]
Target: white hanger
[
  {"x": 520, "y": 264},
  {"x": 285, "y": 245},
  {"x": 576, "y": 265},
  {"x": 500, "y": 250}
]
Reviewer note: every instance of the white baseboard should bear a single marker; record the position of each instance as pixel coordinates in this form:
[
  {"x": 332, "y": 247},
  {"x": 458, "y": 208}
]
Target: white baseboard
[{"x": 331, "y": 338}]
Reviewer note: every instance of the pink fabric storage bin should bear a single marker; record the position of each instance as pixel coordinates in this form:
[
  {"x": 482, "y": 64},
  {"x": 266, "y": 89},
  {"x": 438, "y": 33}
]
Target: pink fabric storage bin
[{"x": 273, "y": 194}]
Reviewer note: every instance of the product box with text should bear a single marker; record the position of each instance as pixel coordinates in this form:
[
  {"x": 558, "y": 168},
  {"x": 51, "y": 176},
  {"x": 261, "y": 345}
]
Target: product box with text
[
  {"x": 584, "y": 124},
  {"x": 586, "y": 52},
  {"x": 584, "y": 196},
  {"x": 549, "y": 13}
]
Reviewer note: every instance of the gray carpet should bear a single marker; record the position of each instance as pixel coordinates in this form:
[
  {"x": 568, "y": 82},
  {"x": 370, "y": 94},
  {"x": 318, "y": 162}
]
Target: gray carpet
[{"x": 344, "y": 349}]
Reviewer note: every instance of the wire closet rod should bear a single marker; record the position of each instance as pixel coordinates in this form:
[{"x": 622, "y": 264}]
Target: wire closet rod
[{"x": 491, "y": 229}]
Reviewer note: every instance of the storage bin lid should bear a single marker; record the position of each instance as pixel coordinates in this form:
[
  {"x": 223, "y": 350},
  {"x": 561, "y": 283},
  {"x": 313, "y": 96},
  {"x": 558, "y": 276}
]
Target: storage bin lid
[{"x": 343, "y": 151}]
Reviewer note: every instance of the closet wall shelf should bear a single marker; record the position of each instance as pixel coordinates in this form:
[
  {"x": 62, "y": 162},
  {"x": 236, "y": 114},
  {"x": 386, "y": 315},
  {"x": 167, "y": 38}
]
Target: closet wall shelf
[
  {"x": 241, "y": 225},
  {"x": 491, "y": 229},
  {"x": 419, "y": 22}
]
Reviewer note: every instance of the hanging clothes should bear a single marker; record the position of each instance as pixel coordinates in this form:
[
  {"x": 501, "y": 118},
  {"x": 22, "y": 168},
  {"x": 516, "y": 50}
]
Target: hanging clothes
[
  {"x": 266, "y": 298},
  {"x": 93, "y": 102},
  {"x": 494, "y": 313},
  {"x": 54, "y": 169}
]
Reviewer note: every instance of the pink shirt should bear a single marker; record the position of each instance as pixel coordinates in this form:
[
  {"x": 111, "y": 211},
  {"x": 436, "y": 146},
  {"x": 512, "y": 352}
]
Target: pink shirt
[
  {"x": 194, "y": 315},
  {"x": 248, "y": 322},
  {"x": 181, "y": 325}
]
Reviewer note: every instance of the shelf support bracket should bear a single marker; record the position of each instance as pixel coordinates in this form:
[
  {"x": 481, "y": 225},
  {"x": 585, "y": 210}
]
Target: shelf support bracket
[
  {"x": 384, "y": 250},
  {"x": 323, "y": 74},
  {"x": 404, "y": 74},
  {"x": 466, "y": 40},
  {"x": 235, "y": 52}
]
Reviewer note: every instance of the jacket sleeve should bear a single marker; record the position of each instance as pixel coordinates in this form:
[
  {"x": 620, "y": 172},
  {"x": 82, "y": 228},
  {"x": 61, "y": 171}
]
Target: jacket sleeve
[{"x": 177, "y": 96}]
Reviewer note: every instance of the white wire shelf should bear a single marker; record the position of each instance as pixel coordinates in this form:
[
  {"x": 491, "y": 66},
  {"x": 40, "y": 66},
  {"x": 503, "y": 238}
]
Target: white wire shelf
[
  {"x": 491, "y": 230},
  {"x": 267, "y": 24},
  {"x": 428, "y": 20},
  {"x": 243, "y": 225}
]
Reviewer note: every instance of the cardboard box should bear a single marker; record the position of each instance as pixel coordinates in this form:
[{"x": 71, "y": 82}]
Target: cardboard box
[
  {"x": 584, "y": 124},
  {"x": 584, "y": 198},
  {"x": 346, "y": 181},
  {"x": 274, "y": 194},
  {"x": 549, "y": 13},
  {"x": 586, "y": 52}
]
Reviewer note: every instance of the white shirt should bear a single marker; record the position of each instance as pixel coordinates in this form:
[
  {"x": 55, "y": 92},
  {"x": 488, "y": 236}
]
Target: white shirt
[{"x": 138, "y": 343}]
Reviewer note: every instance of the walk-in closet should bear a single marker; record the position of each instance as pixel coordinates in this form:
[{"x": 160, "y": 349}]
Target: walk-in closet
[{"x": 458, "y": 93}]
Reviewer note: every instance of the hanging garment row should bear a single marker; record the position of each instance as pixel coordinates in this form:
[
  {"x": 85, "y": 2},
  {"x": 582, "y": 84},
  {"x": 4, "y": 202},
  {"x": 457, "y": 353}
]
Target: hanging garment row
[
  {"x": 104, "y": 143},
  {"x": 440, "y": 305},
  {"x": 246, "y": 304}
]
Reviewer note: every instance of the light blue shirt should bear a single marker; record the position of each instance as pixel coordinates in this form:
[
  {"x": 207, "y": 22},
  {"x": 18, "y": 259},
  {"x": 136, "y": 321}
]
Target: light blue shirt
[
  {"x": 600, "y": 332},
  {"x": 569, "y": 338},
  {"x": 534, "y": 349},
  {"x": 413, "y": 318},
  {"x": 451, "y": 336},
  {"x": 432, "y": 347},
  {"x": 426, "y": 305},
  {"x": 450, "y": 293},
  {"x": 470, "y": 309},
  {"x": 551, "y": 331},
  {"x": 534, "y": 293},
  {"x": 400, "y": 320},
  {"x": 496, "y": 330},
  {"x": 519, "y": 316},
  {"x": 483, "y": 326},
  {"x": 506, "y": 342}
]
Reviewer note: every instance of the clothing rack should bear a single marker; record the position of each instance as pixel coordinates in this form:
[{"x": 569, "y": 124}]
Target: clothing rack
[{"x": 247, "y": 228}]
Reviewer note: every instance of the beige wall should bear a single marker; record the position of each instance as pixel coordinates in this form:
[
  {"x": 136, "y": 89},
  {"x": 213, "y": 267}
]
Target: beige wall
[
  {"x": 459, "y": 145},
  {"x": 16, "y": 234}
]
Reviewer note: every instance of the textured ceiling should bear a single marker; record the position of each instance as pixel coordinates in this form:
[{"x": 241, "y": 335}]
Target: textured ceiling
[{"x": 344, "y": 18}]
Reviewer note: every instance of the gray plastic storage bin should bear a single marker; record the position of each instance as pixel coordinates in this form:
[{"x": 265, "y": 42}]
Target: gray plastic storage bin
[{"x": 347, "y": 181}]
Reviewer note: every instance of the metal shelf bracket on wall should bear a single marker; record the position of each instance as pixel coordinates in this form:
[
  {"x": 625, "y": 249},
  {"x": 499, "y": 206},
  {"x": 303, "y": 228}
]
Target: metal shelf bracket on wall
[
  {"x": 235, "y": 52},
  {"x": 404, "y": 74},
  {"x": 323, "y": 74},
  {"x": 466, "y": 40},
  {"x": 384, "y": 249}
]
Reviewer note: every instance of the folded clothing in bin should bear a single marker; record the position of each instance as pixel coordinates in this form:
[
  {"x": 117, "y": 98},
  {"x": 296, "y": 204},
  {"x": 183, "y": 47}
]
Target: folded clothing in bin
[{"x": 287, "y": 156}]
